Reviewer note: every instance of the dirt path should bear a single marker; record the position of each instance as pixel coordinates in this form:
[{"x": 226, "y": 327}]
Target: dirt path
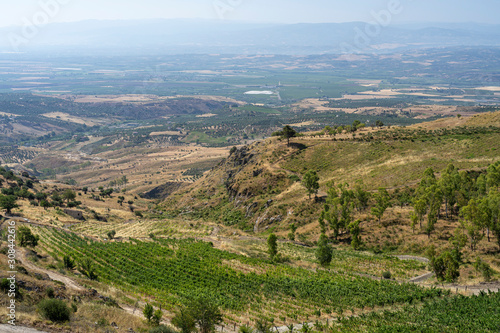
[
  {"x": 405, "y": 257},
  {"x": 18, "y": 329},
  {"x": 422, "y": 278},
  {"x": 69, "y": 283}
]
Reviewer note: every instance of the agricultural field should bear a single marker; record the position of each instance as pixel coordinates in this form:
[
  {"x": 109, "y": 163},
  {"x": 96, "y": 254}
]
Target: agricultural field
[
  {"x": 344, "y": 194},
  {"x": 172, "y": 270}
]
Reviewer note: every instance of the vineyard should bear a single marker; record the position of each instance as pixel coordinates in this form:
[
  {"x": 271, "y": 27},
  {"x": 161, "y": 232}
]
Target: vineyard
[
  {"x": 456, "y": 314},
  {"x": 344, "y": 259},
  {"x": 171, "y": 271}
]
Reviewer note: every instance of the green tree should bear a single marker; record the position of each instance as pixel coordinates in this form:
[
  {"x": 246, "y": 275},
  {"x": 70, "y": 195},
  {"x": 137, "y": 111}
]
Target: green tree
[
  {"x": 69, "y": 195},
  {"x": 311, "y": 182},
  {"x": 148, "y": 312},
  {"x": 493, "y": 201},
  {"x": 383, "y": 201},
  {"x": 428, "y": 179},
  {"x": 40, "y": 196},
  {"x": 355, "y": 231},
  {"x": 484, "y": 268},
  {"x": 339, "y": 208},
  {"x": 404, "y": 197},
  {"x": 272, "y": 246},
  {"x": 287, "y": 133},
  {"x": 8, "y": 202},
  {"x": 45, "y": 204},
  {"x": 111, "y": 234},
  {"x": 361, "y": 196},
  {"x": 449, "y": 183},
  {"x": 474, "y": 222},
  {"x": 324, "y": 251},
  {"x": 493, "y": 175},
  {"x": 445, "y": 266},
  {"x": 206, "y": 314},
  {"x": 434, "y": 201},
  {"x": 56, "y": 199},
  {"x": 184, "y": 321},
  {"x": 293, "y": 230},
  {"x": 26, "y": 238},
  {"x": 420, "y": 209}
]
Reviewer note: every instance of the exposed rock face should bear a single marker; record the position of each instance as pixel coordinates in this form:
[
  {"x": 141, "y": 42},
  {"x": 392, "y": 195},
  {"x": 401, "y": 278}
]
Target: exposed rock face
[{"x": 242, "y": 187}]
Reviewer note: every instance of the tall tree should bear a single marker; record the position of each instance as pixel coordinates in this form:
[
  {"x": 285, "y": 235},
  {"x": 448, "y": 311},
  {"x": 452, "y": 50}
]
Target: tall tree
[
  {"x": 286, "y": 133},
  {"x": 272, "y": 246},
  {"x": 206, "y": 314},
  {"x": 69, "y": 195},
  {"x": 383, "y": 201},
  {"x": 8, "y": 202},
  {"x": 449, "y": 183},
  {"x": 26, "y": 238},
  {"x": 355, "y": 231},
  {"x": 420, "y": 209},
  {"x": 184, "y": 321},
  {"x": 362, "y": 197},
  {"x": 148, "y": 312},
  {"x": 311, "y": 182},
  {"x": 473, "y": 222},
  {"x": 339, "y": 208},
  {"x": 434, "y": 200},
  {"x": 493, "y": 201},
  {"x": 493, "y": 175},
  {"x": 324, "y": 251}
]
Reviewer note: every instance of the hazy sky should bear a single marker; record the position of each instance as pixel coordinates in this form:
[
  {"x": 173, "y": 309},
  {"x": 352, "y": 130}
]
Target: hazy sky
[{"x": 15, "y": 12}]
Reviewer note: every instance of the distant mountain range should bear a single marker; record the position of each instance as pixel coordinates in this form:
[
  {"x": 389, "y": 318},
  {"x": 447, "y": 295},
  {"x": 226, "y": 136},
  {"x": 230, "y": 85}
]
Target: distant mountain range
[{"x": 218, "y": 36}]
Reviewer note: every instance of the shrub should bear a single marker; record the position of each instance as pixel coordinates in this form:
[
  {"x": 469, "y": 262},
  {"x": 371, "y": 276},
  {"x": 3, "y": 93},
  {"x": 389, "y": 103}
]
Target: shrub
[
  {"x": 54, "y": 310},
  {"x": 387, "y": 275},
  {"x": 68, "y": 262},
  {"x": 50, "y": 292},
  {"x": 162, "y": 329}
]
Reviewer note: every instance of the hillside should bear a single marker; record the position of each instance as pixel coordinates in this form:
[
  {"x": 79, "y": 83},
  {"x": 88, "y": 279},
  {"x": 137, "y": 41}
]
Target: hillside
[
  {"x": 258, "y": 188},
  {"x": 207, "y": 238}
]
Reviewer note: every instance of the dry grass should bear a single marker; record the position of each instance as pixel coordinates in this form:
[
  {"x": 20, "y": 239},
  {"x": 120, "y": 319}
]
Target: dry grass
[
  {"x": 487, "y": 119},
  {"x": 142, "y": 98},
  {"x": 74, "y": 119}
]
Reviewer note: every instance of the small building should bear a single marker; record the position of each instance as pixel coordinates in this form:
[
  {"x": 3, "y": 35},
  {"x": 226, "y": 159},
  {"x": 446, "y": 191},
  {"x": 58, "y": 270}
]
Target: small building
[{"x": 76, "y": 214}]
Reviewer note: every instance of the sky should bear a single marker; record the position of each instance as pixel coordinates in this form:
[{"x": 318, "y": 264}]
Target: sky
[{"x": 18, "y": 12}]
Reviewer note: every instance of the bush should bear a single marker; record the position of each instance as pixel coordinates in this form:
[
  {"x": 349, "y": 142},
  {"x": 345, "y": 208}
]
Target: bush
[
  {"x": 162, "y": 329},
  {"x": 387, "y": 275},
  {"x": 50, "y": 292},
  {"x": 54, "y": 310}
]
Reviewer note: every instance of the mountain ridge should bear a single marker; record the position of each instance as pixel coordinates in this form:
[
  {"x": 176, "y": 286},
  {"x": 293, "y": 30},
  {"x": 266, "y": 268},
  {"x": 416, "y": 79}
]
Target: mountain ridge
[{"x": 219, "y": 36}]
